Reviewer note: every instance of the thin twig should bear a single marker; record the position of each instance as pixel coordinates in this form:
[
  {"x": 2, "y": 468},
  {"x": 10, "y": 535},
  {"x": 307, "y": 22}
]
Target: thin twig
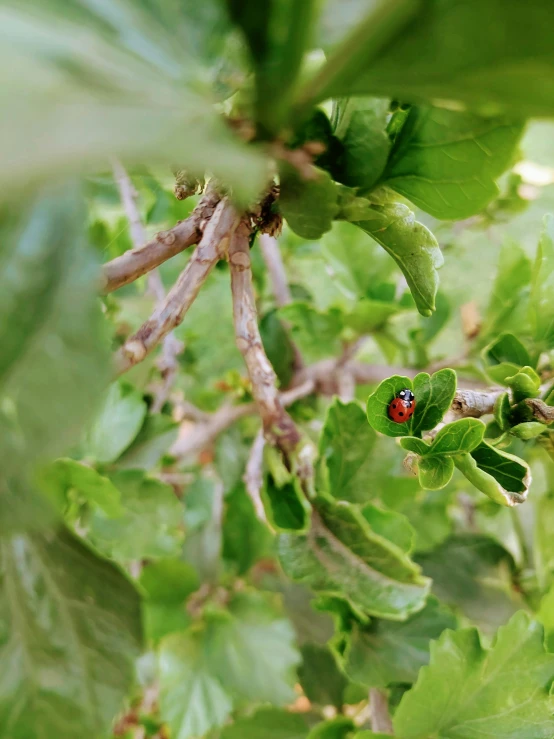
[
  {"x": 380, "y": 717},
  {"x": 142, "y": 259},
  {"x": 253, "y": 475},
  {"x": 279, "y": 428},
  {"x": 171, "y": 312},
  {"x": 276, "y": 270},
  {"x": 172, "y": 347}
]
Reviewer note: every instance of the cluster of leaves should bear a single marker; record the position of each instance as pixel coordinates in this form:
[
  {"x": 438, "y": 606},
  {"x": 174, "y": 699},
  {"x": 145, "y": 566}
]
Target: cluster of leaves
[{"x": 129, "y": 571}]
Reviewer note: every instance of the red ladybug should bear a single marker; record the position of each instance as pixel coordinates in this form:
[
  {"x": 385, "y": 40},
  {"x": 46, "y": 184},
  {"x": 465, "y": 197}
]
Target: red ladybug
[{"x": 403, "y": 406}]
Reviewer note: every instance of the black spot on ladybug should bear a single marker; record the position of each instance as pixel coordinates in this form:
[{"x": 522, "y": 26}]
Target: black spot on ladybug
[{"x": 400, "y": 414}]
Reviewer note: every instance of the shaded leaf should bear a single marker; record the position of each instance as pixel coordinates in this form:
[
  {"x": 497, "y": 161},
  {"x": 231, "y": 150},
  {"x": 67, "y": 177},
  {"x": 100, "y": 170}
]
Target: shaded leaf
[
  {"x": 277, "y": 36},
  {"x": 320, "y": 676},
  {"x": 384, "y": 652},
  {"x": 286, "y": 507},
  {"x": 428, "y": 58},
  {"x": 150, "y": 523},
  {"x": 308, "y": 206},
  {"x": 118, "y": 422},
  {"x": 251, "y": 651},
  {"x": 412, "y": 246},
  {"x": 65, "y": 475},
  {"x": 125, "y": 89},
  {"x": 507, "y": 348},
  {"x": 390, "y": 525},
  {"x": 168, "y": 580},
  {"x": 361, "y": 126},
  {"x": 503, "y": 477},
  {"x": 512, "y": 279},
  {"x": 278, "y": 347},
  {"x": 316, "y": 333},
  {"x": 504, "y": 689},
  {"x": 337, "y": 728},
  {"x": 472, "y": 573},
  {"x": 245, "y": 538},
  {"x": 345, "y": 447},
  {"x": 341, "y": 556},
  {"x": 446, "y": 162},
  {"x": 71, "y": 632},
  {"x": 192, "y": 701},
  {"x": 524, "y": 384},
  {"x": 155, "y": 438},
  {"x": 541, "y": 304},
  {"x": 54, "y": 355},
  {"x": 271, "y": 723}
]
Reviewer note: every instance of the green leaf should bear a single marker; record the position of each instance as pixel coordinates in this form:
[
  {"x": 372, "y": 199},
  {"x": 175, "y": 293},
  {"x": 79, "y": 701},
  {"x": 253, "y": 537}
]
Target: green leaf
[
  {"x": 361, "y": 126},
  {"x": 54, "y": 362},
  {"x": 251, "y": 651},
  {"x": 368, "y": 316},
  {"x": 412, "y": 246},
  {"x": 360, "y": 266},
  {"x": 502, "y": 411},
  {"x": 150, "y": 525},
  {"x": 378, "y": 406},
  {"x": 128, "y": 88},
  {"x": 167, "y": 584},
  {"x": 316, "y": 333},
  {"x": 245, "y": 538},
  {"x": 545, "y": 616},
  {"x": 435, "y": 472},
  {"x": 70, "y": 634},
  {"x": 308, "y": 205},
  {"x": 340, "y": 727},
  {"x": 504, "y": 691},
  {"x": 528, "y": 430},
  {"x": 415, "y": 445},
  {"x": 277, "y": 36},
  {"x": 460, "y": 436},
  {"x": 446, "y": 162},
  {"x": 433, "y": 394},
  {"x": 472, "y": 573},
  {"x": 286, "y": 507},
  {"x": 541, "y": 304},
  {"x": 390, "y": 525},
  {"x": 512, "y": 279},
  {"x": 507, "y": 348},
  {"x": 428, "y": 60},
  {"x": 504, "y": 477},
  {"x": 499, "y": 373},
  {"x": 345, "y": 447},
  {"x": 341, "y": 556},
  {"x": 278, "y": 347},
  {"x": 270, "y": 723},
  {"x": 168, "y": 580},
  {"x": 192, "y": 701},
  {"x": 542, "y": 540},
  {"x": 117, "y": 424},
  {"x": 321, "y": 679},
  {"x": 525, "y": 384},
  {"x": 384, "y": 652},
  {"x": 155, "y": 438},
  {"x": 66, "y": 475}
]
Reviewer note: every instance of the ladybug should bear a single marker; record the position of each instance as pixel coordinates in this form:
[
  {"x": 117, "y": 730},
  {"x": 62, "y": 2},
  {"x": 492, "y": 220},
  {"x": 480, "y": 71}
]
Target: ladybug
[{"x": 403, "y": 406}]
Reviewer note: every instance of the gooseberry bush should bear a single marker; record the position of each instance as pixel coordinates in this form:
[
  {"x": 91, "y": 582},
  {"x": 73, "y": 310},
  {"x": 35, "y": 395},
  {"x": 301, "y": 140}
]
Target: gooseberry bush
[{"x": 231, "y": 233}]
